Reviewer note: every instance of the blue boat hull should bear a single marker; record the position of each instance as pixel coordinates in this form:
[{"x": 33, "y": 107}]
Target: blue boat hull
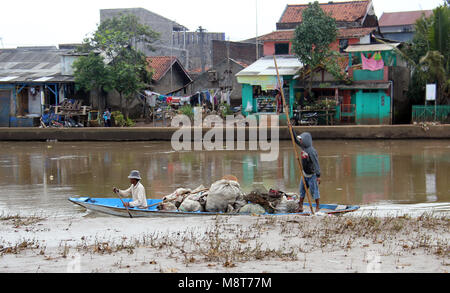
[{"x": 114, "y": 206}]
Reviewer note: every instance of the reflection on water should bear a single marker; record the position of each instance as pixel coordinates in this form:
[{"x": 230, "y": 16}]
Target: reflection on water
[{"x": 43, "y": 175}]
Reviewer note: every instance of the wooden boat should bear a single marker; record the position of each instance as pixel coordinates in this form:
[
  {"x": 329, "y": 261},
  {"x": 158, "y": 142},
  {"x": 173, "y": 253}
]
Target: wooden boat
[{"x": 114, "y": 206}]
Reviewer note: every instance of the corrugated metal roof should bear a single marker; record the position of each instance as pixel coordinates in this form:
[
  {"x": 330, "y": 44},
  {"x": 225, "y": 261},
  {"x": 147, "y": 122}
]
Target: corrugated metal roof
[
  {"x": 371, "y": 47},
  {"x": 287, "y": 65},
  {"x": 29, "y": 64}
]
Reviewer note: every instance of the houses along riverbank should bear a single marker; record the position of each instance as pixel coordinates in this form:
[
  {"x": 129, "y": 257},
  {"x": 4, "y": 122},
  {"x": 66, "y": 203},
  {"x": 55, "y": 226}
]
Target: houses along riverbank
[{"x": 419, "y": 131}]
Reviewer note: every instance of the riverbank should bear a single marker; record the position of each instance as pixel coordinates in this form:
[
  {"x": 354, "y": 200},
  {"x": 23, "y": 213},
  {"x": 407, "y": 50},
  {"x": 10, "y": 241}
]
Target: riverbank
[
  {"x": 249, "y": 244},
  {"x": 166, "y": 133}
]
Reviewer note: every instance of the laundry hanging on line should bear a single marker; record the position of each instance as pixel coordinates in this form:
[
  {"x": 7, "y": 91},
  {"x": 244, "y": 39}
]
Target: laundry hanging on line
[
  {"x": 373, "y": 64},
  {"x": 212, "y": 96}
]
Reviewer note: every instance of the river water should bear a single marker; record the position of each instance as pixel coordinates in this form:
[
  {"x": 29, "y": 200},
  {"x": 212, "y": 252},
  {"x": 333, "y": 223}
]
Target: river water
[{"x": 38, "y": 177}]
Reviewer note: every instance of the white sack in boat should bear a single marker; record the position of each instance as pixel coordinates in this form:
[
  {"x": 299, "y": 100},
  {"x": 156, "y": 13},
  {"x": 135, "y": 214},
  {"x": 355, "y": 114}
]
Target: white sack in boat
[
  {"x": 252, "y": 209},
  {"x": 190, "y": 206},
  {"x": 167, "y": 207},
  {"x": 221, "y": 194},
  {"x": 178, "y": 196},
  {"x": 286, "y": 206}
]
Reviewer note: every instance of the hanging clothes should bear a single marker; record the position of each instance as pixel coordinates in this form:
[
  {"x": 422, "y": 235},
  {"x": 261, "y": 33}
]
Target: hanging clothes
[
  {"x": 151, "y": 100},
  {"x": 223, "y": 97},
  {"x": 185, "y": 100},
  {"x": 211, "y": 96},
  {"x": 249, "y": 108},
  {"x": 208, "y": 96},
  {"x": 371, "y": 64},
  {"x": 195, "y": 99},
  {"x": 279, "y": 103},
  {"x": 377, "y": 56}
]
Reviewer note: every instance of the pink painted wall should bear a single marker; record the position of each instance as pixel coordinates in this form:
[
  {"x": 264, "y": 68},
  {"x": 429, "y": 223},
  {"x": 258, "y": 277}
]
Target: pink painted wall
[{"x": 269, "y": 47}]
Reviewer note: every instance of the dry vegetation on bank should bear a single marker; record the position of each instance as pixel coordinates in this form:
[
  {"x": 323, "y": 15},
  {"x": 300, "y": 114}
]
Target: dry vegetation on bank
[{"x": 257, "y": 244}]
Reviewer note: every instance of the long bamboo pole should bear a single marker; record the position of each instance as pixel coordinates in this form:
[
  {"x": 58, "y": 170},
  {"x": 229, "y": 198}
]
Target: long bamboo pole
[
  {"x": 117, "y": 193},
  {"x": 286, "y": 110}
]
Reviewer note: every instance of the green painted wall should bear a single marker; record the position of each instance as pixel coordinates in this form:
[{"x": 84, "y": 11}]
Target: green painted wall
[
  {"x": 247, "y": 95},
  {"x": 337, "y": 117},
  {"x": 361, "y": 75},
  {"x": 372, "y": 108}
]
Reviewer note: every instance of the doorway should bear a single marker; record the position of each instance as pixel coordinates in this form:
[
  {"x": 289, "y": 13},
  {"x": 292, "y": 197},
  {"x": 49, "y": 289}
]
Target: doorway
[{"x": 5, "y": 107}]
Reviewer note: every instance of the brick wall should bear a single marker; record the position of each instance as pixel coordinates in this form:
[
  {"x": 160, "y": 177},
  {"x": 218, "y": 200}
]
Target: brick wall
[{"x": 245, "y": 52}]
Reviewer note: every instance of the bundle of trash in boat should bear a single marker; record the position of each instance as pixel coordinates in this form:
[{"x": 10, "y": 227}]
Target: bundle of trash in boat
[{"x": 226, "y": 196}]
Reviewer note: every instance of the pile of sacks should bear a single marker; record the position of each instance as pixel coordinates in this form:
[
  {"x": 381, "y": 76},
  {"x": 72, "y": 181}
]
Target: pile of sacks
[
  {"x": 185, "y": 200},
  {"x": 226, "y": 196}
]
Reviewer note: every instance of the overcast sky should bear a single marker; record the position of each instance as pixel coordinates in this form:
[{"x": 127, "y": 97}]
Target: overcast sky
[{"x": 52, "y": 22}]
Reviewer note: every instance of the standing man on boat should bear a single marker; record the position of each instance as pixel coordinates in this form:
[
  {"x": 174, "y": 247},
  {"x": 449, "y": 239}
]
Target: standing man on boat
[
  {"x": 311, "y": 168},
  {"x": 136, "y": 190}
]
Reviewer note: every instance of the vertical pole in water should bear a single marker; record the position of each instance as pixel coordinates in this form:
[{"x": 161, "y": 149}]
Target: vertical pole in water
[{"x": 286, "y": 110}]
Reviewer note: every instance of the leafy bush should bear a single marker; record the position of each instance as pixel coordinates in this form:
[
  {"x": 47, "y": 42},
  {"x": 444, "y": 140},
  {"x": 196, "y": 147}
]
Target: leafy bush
[
  {"x": 225, "y": 110},
  {"x": 187, "y": 110},
  {"x": 130, "y": 123},
  {"x": 119, "y": 120}
]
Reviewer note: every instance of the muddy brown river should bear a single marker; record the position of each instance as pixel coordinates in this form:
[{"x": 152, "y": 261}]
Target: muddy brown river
[{"x": 37, "y": 177}]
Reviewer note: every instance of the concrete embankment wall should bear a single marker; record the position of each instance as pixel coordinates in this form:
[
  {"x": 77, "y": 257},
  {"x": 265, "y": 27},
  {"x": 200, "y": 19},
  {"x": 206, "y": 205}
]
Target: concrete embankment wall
[{"x": 165, "y": 134}]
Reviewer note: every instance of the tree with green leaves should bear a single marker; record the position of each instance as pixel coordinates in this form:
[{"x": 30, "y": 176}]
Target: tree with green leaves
[
  {"x": 92, "y": 74},
  {"x": 428, "y": 55},
  {"x": 125, "y": 68},
  {"x": 312, "y": 40},
  {"x": 129, "y": 77}
]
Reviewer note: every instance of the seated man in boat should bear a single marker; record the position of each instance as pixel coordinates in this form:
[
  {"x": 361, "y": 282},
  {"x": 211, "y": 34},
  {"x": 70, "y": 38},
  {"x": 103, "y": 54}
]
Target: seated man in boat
[
  {"x": 311, "y": 168},
  {"x": 136, "y": 190}
]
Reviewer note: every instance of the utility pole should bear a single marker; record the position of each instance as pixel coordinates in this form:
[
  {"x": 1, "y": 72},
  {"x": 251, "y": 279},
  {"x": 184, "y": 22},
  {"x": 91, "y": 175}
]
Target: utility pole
[
  {"x": 256, "y": 38},
  {"x": 184, "y": 48},
  {"x": 202, "y": 51},
  {"x": 171, "y": 67},
  {"x": 228, "y": 84}
]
